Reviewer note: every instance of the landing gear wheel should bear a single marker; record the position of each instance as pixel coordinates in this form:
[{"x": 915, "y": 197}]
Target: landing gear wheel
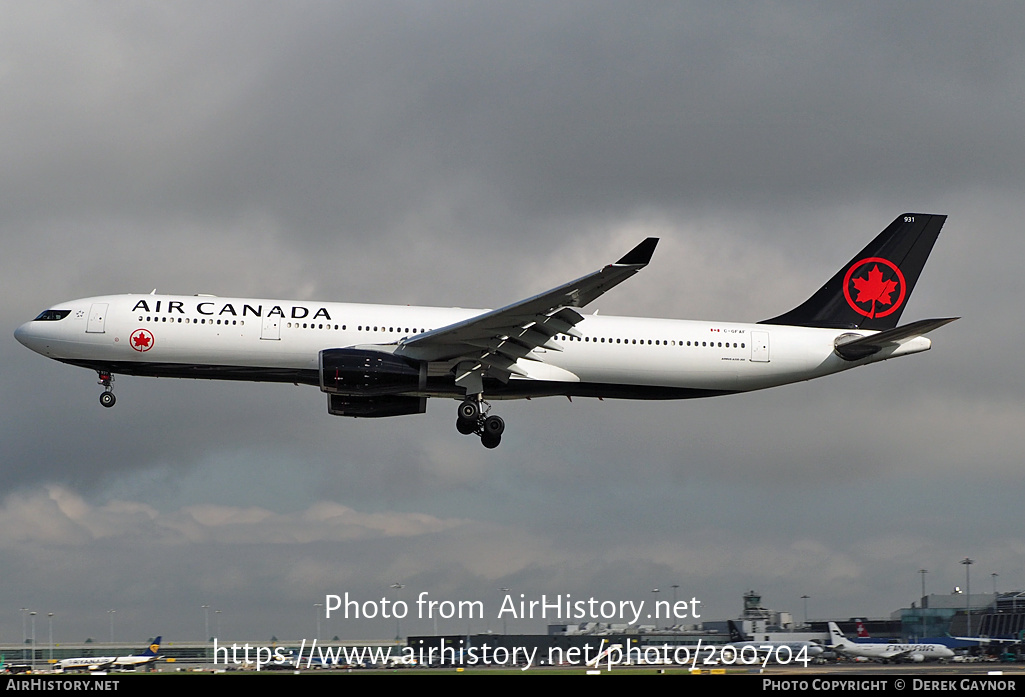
[
  {"x": 107, "y": 399},
  {"x": 469, "y": 410},
  {"x": 494, "y": 426},
  {"x": 473, "y": 418}
]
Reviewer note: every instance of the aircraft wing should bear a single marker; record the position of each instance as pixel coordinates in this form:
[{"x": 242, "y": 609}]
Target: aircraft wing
[
  {"x": 984, "y": 640},
  {"x": 496, "y": 339}
]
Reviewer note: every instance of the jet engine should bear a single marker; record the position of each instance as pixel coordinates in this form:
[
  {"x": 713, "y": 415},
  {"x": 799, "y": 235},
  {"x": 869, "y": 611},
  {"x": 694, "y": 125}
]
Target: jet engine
[{"x": 370, "y": 384}]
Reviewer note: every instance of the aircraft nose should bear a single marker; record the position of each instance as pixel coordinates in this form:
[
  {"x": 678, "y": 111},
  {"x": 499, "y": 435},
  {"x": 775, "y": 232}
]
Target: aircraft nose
[
  {"x": 22, "y": 334},
  {"x": 28, "y": 338}
]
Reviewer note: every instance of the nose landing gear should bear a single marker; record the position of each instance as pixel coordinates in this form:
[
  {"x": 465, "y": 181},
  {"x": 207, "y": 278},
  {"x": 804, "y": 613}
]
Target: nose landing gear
[
  {"x": 472, "y": 419},
  {"x": 107, "y": 397}
]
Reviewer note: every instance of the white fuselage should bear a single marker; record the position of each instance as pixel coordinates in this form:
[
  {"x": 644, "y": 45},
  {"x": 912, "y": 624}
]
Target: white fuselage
[
  {"x": 99, "y": 662},
  {"x": 888, "y": 652},
  {"x": 904, "y": 652},
  {"x": 279, "y": 340},
  {"x": 810, "y": 648}
]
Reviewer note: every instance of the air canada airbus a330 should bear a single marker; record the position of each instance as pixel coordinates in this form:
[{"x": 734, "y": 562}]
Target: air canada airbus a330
[{"x": 386, "y": 360}]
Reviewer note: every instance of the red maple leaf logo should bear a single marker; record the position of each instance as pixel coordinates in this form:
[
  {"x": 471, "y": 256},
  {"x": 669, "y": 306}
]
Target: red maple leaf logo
[
  {"x": 874, "y": 289},
  {"x": 142, "y": 340}
]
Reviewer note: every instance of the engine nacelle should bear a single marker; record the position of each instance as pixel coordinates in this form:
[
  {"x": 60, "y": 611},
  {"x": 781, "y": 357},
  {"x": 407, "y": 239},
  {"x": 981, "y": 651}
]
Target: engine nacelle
[
  {"x": 360, "y": 373},
  {"x": 374, "y": 407}
]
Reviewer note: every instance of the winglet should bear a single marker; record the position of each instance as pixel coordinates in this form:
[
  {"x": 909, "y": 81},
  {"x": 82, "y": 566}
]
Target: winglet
[{"x": 639, "y": 255}]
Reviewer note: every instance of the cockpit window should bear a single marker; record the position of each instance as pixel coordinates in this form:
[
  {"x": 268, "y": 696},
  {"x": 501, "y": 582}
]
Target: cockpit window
[{"x": 52, "y": 315}]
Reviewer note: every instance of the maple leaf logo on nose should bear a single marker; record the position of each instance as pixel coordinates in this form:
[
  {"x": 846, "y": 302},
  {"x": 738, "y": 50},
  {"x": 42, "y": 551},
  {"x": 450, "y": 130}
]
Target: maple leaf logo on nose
[
  {"x": 142, "y": 340},
  {"x": 874, "y": 289}
]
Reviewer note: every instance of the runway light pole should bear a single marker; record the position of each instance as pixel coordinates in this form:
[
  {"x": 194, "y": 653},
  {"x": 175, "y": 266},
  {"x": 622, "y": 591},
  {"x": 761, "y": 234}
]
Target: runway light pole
[
  {"x": 33, "y": 616},
  {"x": 655, "y": 591},
  {"x": 968, "y": 590},
  {"x": 504, "y": 632},
  {"x": 49, "y": 616},
  {"x": 921, "y": 601},
  {"x": 24, "y": 632},
  {"x": 398, "y": 627}
]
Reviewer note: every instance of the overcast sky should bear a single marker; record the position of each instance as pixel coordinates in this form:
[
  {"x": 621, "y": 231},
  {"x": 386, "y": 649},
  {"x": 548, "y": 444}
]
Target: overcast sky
[{"x": 473, "y": 154}]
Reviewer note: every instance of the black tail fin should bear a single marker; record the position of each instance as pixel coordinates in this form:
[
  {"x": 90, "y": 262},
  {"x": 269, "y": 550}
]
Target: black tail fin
[
  {"x": 870, "y": 291},
  {"x": 735, "y": 633}
]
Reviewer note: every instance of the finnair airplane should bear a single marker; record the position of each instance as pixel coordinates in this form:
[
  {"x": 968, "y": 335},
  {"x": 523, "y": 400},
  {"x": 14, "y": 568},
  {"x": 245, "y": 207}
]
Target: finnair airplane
[
  {"x": 916, "y": 653},
  {"x": 386, "y": 360}
]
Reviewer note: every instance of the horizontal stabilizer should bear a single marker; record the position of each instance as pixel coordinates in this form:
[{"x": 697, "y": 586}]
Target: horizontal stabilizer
[{"x": 851, "y": 347}]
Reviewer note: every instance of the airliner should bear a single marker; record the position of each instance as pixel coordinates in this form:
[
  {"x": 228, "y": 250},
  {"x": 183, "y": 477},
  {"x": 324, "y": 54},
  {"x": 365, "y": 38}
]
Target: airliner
[
  {"x": 739, "y": 640},
  {"x": 102, "y": 663},
  {"x": 915, "y": 653},
  {"x": 385, "y": 360}
]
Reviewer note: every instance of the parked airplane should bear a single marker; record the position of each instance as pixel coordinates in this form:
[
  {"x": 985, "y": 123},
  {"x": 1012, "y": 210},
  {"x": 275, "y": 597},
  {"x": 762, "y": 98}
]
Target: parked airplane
[
  {"x": 862, "y": 632},
  {"x": 739, "y": 640},
  {"x": 915, "y": 653},
  {"x": 98, "y": 663},
  {"x": 13, "y": 668},
  {"x": 382, "y": 360}
]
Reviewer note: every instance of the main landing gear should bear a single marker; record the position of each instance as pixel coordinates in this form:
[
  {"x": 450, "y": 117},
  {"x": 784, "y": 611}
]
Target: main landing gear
[
  {"x": 472, "y": 419},
  {"x": 107, "y": 397}
]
